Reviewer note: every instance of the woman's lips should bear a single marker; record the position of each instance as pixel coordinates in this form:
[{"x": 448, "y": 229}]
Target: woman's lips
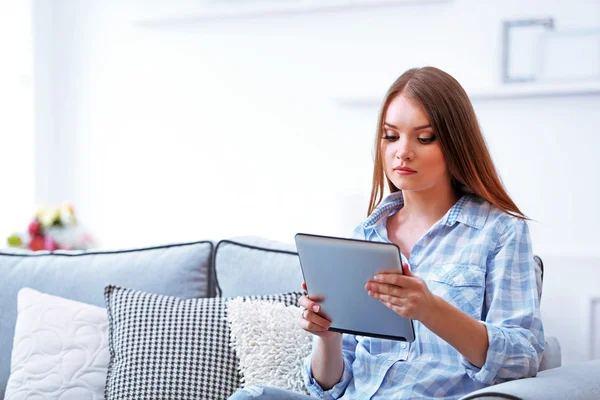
[
  {"x": 404, "y": 172},
  {"x": 400, "y": 170}
]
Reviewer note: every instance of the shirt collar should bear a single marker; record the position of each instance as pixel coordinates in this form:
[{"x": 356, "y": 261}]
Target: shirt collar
[
  {"x": 394, "y": 201},
  {"x": 470, "y": 210}
]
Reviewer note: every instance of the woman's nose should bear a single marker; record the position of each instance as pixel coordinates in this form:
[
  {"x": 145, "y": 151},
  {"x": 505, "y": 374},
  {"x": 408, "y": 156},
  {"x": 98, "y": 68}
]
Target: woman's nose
[{"x": 404, "y": 150}]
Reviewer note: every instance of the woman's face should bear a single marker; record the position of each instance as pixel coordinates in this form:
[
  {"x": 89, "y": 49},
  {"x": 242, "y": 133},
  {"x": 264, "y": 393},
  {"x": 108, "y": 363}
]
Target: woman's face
[{"x": 412, "y": 155}]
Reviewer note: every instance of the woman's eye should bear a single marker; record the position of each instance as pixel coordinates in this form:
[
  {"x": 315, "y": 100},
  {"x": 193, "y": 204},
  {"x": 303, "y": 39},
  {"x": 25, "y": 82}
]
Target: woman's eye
[
  {"x": 427, "y": 140},
  {"x": 391, "y": 138}
]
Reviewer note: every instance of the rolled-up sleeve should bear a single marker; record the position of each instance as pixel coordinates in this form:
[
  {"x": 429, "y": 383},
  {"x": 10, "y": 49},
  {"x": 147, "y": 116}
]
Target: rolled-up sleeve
[
  {"x": 337, "y": 391},
  {"x": 511, "y": 310}
]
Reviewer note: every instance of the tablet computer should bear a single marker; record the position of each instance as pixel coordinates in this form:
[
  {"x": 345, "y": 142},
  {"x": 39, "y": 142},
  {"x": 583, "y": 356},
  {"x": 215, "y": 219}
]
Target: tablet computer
[{"x": 337, "y": 269}]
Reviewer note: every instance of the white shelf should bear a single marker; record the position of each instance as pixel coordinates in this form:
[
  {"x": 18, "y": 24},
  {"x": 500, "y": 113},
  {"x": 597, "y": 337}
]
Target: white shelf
[
  {"x": 506, "y": 92},
  {"x": 515, "y": 90},
  {"x": 215, "y": 11}
]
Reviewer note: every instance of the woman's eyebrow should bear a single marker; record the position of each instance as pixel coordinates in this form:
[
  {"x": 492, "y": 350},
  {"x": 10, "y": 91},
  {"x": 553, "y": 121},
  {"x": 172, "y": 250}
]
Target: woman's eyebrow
[{"x": 417, "y": 128}]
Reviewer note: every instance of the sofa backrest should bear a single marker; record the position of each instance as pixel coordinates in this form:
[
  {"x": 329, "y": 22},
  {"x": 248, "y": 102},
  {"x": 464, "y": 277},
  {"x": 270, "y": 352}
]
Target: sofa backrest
[
  {"x": 180, "y": 270},
  {"x": 250, "y": 265}
]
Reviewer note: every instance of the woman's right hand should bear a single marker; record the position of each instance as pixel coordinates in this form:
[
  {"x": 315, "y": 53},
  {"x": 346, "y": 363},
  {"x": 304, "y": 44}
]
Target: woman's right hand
[{"x": 311, "y": 321}]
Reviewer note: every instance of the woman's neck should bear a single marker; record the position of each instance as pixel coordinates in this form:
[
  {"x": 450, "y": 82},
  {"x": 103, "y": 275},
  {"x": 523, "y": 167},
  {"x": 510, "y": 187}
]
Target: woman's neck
[{"x": 428, "y": 206}]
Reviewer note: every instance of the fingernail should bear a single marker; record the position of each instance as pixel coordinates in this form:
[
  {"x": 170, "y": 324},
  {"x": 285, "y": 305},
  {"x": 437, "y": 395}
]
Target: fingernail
[
  {"x": 377, "y": 278},
  {"x": 368, "y": 286},
  {"x": 315, "y": 308}
]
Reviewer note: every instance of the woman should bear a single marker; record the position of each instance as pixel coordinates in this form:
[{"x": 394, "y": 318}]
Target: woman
[{"x": 469, "y": 272}]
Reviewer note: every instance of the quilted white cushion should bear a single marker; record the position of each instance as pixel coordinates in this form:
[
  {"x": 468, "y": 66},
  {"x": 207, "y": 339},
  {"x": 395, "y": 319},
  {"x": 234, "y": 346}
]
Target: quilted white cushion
[
  {"x": 60, "y": 349},
  {"x": 269, "y": 343}
]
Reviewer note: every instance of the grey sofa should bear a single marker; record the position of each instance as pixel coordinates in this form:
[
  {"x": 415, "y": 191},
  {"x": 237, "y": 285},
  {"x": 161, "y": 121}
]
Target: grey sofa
[{"x": 228, "y": 268}]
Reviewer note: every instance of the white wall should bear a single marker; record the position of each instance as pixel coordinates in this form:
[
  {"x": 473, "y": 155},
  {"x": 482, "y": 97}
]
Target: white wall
[
  {"x": 212, "y": 129},
  {"x": 16, "y": 118}
]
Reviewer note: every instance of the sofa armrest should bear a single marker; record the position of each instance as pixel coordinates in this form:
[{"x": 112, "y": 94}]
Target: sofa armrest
[
  {"x": 574, "y": 382},
  {"x": 552, "y": 356}
]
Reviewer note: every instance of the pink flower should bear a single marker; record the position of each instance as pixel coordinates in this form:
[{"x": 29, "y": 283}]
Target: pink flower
[
  {"x": 35, "y": 229},
  {"x": 36, "y": 243},
  {"x": 50, "y": 244}
]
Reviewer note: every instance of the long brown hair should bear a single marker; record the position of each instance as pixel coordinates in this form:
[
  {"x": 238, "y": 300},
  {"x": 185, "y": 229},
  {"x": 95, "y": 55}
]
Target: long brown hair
[{"x": 453, "y": 120}]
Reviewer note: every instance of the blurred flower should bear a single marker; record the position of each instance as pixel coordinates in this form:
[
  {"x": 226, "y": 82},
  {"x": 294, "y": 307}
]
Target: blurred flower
[
  {"x": 53, "y": 228},
  {"x": 15, "y": 241},
  {"x": 49, "y": 216},
  {"x": 35, "y": 229},
  {"x": 67, "y": 214},
  {"x": 50, "y": 244},
  {"x": 37, "y": 243}
]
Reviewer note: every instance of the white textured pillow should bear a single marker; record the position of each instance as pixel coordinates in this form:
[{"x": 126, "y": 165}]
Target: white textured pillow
[
  {"x": 269, "y": 343},
  {"x": 60, "y": 349}
]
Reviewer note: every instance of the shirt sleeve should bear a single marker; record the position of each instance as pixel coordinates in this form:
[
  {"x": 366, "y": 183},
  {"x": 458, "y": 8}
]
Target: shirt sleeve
[
  {"x": 348, "y": 347},
  {"x": 513, "y": 321},
  {"x": 358, "y": 232}
]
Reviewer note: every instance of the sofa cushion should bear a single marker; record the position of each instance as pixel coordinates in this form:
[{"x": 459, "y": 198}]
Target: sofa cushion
[
  {"x": 177, "y": 270},
  {"x": 255, "y": 266},
  {"x": 164, "y": 347},
  {"x": 60, "y": 349}
]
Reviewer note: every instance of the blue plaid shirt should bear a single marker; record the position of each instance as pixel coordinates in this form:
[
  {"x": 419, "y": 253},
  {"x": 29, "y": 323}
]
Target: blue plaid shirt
[{"x": 478, "y": 259}]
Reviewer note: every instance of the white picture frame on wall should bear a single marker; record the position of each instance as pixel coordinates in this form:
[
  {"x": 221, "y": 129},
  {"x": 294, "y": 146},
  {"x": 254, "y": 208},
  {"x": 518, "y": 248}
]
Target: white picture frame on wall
[{"x": 215, "y": 10}]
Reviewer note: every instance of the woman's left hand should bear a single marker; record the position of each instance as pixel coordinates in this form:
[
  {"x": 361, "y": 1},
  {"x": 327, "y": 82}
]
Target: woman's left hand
[{"x": 405, "y": 294}]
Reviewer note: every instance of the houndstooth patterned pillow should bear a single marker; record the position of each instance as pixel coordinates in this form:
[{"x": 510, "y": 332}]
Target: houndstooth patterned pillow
[{"x": 163, "y": 347}]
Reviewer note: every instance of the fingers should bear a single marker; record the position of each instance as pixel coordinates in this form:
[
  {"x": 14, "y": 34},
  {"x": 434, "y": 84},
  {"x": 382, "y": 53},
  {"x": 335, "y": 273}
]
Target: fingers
[
  {"x": 313, "y": 321},
  {"x": 310, "y": 319},
  {"x": 406, "y": 270},
  {"x": 303, "y": 286},
  {"x": 393, "y": 279},
  {"x": 307, "y": 303},
  {"x": 400, "y": 280},
  {"x": 390, "y": 300},
  {"x": 385, "y": 289},
  {"x": 402, "y": 300}
]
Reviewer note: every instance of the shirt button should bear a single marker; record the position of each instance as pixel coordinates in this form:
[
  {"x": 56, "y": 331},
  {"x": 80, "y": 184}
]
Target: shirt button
[{"x": 403, "y": 345}]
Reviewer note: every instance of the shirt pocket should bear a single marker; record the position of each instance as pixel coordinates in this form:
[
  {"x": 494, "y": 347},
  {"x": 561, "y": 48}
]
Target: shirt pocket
[
  {"x": 384, "y": 348},
  {"x": 461, "y": 285}
]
